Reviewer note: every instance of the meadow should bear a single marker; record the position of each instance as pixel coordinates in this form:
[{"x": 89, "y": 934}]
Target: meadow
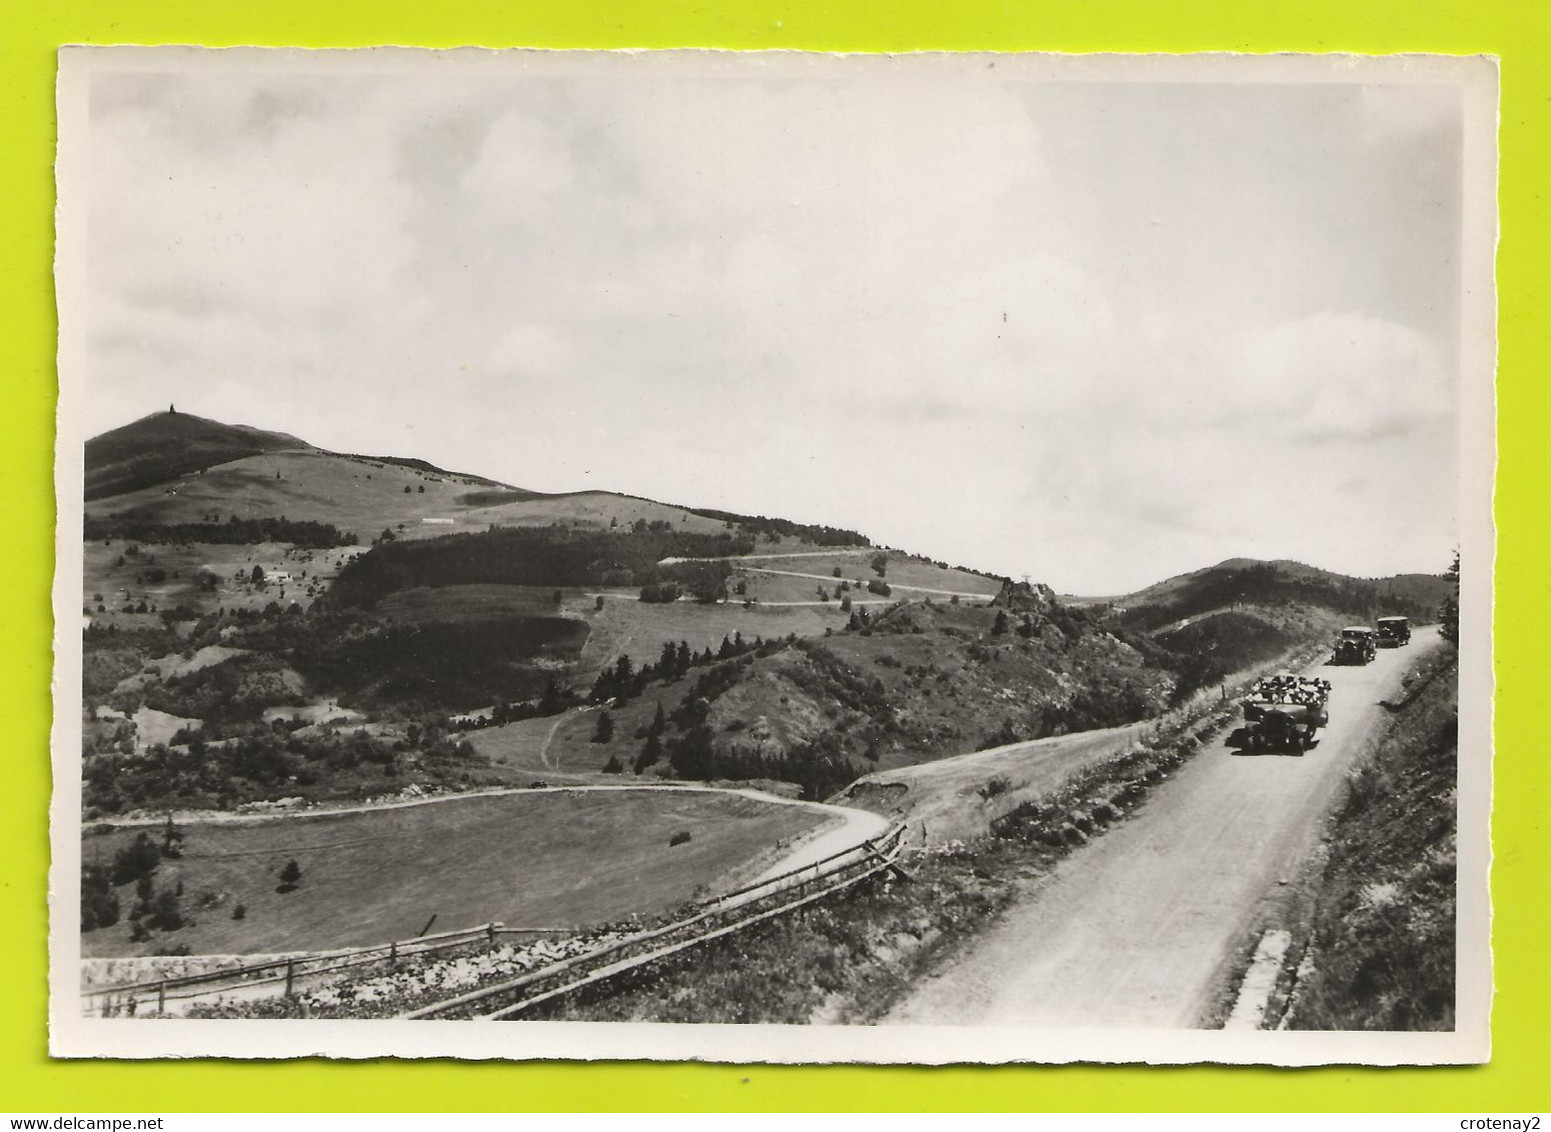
[{"x": 531, "y": 859}]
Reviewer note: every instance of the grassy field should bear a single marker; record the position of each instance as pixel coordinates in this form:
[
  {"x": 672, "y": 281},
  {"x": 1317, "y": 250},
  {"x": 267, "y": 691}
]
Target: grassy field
[
  {"x": 521, "y": 745},
  {"x": 544, "y": 859},
  {"x": 426, "y": 604},
  {"x": 596, "y": 509},
  {"x": 367, "y": 496},
  {"x": 627, "y": 626},
  {"x": 900, "y": 570},
  {"x": 354, "y": 494}
]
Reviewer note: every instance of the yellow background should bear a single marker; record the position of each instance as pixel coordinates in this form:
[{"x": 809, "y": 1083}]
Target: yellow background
[{"x": 1518, "y": 31}]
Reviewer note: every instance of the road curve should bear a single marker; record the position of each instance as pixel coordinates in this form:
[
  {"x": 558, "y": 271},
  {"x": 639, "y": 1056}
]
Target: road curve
[
  {"x": 846, "y": 828},
  {"x": 1135, "y": 929},
  {"x": 855, "y": 827}
]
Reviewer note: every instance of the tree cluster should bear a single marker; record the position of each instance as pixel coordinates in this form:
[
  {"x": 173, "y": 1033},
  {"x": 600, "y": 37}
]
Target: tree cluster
[
  {"x": 1448, "y": 612},
  {"x": 623, "y": 681},
  {"x": 537, "y": 556},
  {"x": 756, "y": 525},
  {"x": 304, "y": 533}
]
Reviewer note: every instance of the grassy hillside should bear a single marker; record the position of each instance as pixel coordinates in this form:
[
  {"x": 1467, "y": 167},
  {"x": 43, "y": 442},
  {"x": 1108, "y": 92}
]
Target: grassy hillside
[
  {"x": 1383, "y": 953},
  {"x": 371, "y": 877},
  {"x": 1206, "y": 625},
  {"x": 354, "y": 493},
  {"x": 1242, "y": 582},
  {"x": 164, "y": 446},
  {"x": 914, "y": 683}
]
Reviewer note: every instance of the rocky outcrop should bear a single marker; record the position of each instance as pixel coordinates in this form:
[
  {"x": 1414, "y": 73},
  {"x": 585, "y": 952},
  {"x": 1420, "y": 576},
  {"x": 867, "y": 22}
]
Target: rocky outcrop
[{"x": 1024, "y": 597}]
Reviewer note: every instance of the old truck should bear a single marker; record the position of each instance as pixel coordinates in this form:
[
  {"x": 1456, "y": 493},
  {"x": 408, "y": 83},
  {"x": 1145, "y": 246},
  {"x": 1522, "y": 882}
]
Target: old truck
[
  {"x": 1283, "y": 712},
  {"x": 1394, "y": 632},
  {"x": 1357, "y": 644}
]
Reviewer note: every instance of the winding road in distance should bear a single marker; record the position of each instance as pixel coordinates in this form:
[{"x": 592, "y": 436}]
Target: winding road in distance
[{"x": 1136, "y": 928}]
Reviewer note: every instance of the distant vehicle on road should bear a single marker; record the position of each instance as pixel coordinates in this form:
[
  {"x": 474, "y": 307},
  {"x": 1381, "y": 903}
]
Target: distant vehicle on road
[
  {"x": 1394, "y": 632},
  {"x": 1283, "y": 712},
  {"x": 1357, "y": 644}
]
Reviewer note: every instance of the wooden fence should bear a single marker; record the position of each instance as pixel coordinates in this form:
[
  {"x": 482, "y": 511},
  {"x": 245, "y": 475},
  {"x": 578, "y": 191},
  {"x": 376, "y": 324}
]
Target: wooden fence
[
  {"x": 709, "y": 919},
  {"x": 282, "y": 975}
]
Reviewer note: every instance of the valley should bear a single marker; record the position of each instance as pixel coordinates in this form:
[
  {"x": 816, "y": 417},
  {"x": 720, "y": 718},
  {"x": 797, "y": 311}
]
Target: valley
[{"x": 446, "y": 699}]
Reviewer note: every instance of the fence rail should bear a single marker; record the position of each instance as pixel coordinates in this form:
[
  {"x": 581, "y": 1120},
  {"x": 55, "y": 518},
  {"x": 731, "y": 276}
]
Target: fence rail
[
  {"x": 289, "y": 970},
  {"x": 713, "y": 919}
]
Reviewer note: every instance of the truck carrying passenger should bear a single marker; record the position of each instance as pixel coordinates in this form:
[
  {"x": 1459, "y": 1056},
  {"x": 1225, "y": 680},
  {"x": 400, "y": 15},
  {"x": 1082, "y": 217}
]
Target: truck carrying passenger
[{"x": 1283, "y": 712}]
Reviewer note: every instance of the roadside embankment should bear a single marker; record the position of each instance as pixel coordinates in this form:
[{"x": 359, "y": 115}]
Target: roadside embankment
[{"x": 1381, "y": 945}]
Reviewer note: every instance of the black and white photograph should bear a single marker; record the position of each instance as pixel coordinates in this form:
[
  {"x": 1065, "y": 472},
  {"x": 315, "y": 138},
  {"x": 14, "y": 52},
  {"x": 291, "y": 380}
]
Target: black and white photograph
[{"x": 773, "y": 556}]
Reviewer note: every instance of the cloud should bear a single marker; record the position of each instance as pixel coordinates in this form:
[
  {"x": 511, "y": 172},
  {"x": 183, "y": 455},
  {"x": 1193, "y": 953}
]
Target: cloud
[
  {"x": 524, "y": 165},
  {"x": 1087, "y": 331},
  {"x": 533, "y": 350},
  {"x": 1338, "y": 375}
]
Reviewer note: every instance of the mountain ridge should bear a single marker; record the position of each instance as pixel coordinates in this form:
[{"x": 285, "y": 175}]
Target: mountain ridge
[{"x": 160, "y": 447}]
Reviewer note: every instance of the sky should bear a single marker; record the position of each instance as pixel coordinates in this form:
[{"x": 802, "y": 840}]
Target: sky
[{"x": 1093, "y": 332}]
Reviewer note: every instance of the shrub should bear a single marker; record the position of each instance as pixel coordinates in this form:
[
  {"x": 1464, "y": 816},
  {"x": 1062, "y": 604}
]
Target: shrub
[
  {"x": 136, "y": 860},
  {"x": 172, "y": 841},
  {"x": 650, "y": 753},
  {"x": 99, "y": 905},
  {"x": 290, "y": 876},
  {"x": 679, "y": 838},
  {"x": 998, "y": 785},
  {"x": 166, "y": 913},
  {"x": 240, "y": 912}
]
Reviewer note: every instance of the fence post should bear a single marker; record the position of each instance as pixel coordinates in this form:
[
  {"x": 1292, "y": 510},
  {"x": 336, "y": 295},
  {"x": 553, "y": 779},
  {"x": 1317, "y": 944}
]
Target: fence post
[
  {"x": 393, "y": 952},
  {"x": 490, "y": 933},
  {"x": 290, "y": 976},
  {"x": 161, "y": 996}
]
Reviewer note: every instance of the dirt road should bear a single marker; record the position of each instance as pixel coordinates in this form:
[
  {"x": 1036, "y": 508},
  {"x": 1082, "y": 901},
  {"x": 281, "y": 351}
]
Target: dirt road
[
  {"x": 851, "y": 829},
  {"x": 947, "y": 799},
  {"x": 974, "y": 596},
  {"x": 1135, "y": 929}
]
